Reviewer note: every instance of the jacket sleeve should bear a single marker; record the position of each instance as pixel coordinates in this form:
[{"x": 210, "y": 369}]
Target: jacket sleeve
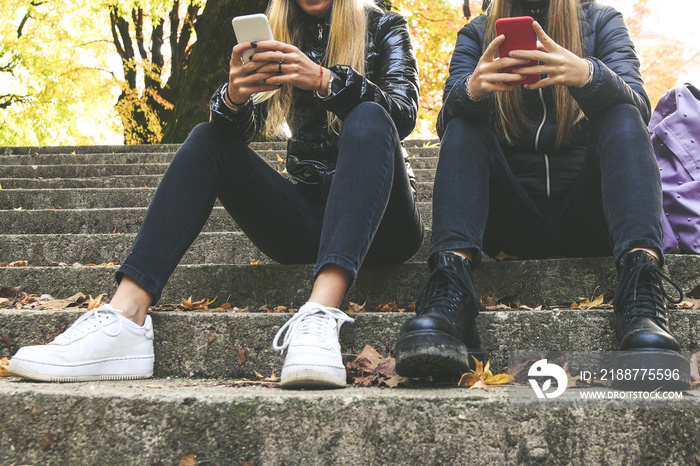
[
  {"x": 465, "y": 57},
  {"x": 616, "y": 70},
  {"x": 395, "y": 78},
  {"x": 245, "y": 123}
]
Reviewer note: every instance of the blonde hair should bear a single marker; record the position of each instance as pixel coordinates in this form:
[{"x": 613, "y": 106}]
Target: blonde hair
[
  {"x": 347, "y": 45},
  {"x": 563, "y": 28}
]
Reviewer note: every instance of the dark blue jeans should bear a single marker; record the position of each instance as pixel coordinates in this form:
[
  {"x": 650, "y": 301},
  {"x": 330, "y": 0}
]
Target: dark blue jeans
[
  {"x": 370, "y": 212},
  {"x": 613, "y": 206}
]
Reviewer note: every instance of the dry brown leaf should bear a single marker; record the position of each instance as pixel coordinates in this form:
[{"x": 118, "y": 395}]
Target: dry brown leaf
[
  {"x": 50, "y": 304},
  {"x": 188, "y": 460},
  {"x": 48, "y": 441},
  {"x": 387, "y": 307},
  {"x": 369, "y": 359},
  {"x": 241, "y": 355},
  {"x": 4, "y": 362},
  {"x": 212, "y": 336},
  {"x": 354, "y": 307},
  {"x": 255, "y": 262},
  {"x": 9, "y": 291},
  {"x": 202, "y": 304},
  {"x": 15, "y": 263},
  {"x": 468, "y": 379}
]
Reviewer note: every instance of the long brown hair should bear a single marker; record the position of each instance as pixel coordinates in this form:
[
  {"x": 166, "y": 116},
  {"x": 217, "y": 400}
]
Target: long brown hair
[
  {"x": 563, "y": 28},
  {"x": 346, "y": 45}
]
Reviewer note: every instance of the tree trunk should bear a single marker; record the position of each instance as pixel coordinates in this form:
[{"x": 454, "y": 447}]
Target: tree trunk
[{"x": 207, "y": 67}]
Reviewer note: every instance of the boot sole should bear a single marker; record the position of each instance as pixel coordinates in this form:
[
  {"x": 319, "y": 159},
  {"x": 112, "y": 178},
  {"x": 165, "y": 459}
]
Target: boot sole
[
  {"x": 651, "y": 369},
  {"x": 434, "y": 354}
]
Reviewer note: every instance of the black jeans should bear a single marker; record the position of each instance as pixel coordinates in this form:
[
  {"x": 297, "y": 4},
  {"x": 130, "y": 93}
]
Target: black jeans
[
  {"x": 371, "y": 209},
  {"x": 613, "y": 206}
]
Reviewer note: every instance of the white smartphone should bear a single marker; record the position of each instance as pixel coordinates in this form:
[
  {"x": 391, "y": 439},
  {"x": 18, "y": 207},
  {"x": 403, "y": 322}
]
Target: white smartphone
[{"x": 250, "y": 28}]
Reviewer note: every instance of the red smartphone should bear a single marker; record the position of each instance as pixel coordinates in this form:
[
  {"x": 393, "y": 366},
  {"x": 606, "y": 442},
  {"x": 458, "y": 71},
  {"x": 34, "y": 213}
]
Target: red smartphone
[{"x": 519, "y": 36}]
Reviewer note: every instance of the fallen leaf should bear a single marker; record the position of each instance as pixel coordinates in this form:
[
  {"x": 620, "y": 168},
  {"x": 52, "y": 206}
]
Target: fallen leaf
[
  {"x": 95, "y": 303},
  {"x": 212, "y": 336},
  {"x": 480, "y": 384},
  {"x": 241, "y": 355},
  {"x": 202, "y": 304},
  {"x": 4, "y": 362},
  {"x": 255, "y": 262},
  {"x": 387, "y": 307},
  {"x": 9, "y": 291},
  {"x": 369, "y": 359},
  {"x": 48, "y": 441},
  {"x": 503, "y": 256},
  {"x": 188, "y": 460},
  {"x": 14, "y": 264},
  {"x": 354, "y": 307}
]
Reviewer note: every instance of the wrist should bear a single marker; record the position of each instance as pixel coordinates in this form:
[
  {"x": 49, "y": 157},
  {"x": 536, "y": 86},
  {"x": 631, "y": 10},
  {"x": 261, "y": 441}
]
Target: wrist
[
  {"x": 591, "y": 70},
  {"x": 228, "y": 101},
  {"x": 469, "y": 94}
]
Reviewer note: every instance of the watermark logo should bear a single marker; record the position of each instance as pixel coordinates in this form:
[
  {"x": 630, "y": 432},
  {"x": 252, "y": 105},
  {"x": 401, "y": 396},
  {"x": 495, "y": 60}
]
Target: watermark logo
[{"x": 543, "y": 369}]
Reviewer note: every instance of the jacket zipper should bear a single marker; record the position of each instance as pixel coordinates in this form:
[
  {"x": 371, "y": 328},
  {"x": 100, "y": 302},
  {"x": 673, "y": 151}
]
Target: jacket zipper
[{"x": 537, "y": 144}]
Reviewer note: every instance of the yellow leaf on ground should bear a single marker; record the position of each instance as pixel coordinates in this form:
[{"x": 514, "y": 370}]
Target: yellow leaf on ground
[
  {"x": 188, "y": 460},
  {"x": 480, "y": 384},
  {"x": 201, "y": 305},
  {"x": 4, "y": 362},
  {"x": 95, "y": 303},
  {"x": 500, "y": 379},
  {"x": 468, "y": 379}
]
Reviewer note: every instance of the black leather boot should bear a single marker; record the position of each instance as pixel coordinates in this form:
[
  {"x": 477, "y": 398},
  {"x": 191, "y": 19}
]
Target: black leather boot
[
  {"x": 440, "y": 340},
  {"x": 642, "y": 324}
]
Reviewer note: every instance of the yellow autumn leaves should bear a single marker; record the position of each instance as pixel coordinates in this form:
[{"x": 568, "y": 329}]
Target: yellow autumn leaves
[{"x": 482, "y": 377}]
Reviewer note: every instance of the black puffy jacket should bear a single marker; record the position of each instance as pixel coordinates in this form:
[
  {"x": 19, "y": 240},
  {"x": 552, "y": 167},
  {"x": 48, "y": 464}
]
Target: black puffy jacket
[
  {"x": 390, "y": 80},
  {"x": 541, "y": 169}
]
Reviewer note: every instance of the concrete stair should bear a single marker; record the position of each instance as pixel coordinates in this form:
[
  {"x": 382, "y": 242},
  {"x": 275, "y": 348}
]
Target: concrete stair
[{"x": 67, "y": 205}]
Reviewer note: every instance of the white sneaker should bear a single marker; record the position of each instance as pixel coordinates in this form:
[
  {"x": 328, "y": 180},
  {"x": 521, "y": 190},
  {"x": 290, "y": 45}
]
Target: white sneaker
[
  {"x": 100, "y": 345},
  {"x": 313, "y": 352}
]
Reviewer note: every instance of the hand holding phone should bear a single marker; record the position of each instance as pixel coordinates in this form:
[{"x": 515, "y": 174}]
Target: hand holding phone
[
  {"x": 519, "y": 36},
  {"x": 251, "y": 28}
]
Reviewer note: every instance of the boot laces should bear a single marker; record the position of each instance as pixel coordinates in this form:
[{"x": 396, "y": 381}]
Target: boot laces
[
  {"x": 444, "y": 289},
  {"x": 309, "y": 321},
  {"x": 97, "y": 318},
  {"x": 641, "y": 297}
]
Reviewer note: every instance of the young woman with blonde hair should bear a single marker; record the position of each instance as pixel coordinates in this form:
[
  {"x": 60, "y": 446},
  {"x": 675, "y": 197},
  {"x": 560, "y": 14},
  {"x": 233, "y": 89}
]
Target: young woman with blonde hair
[
  {"x": 343, "y": 76},
  {"x": 562, "y": 167}
]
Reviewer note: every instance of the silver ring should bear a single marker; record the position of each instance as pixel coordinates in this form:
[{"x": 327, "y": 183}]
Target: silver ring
[
  {"x": 545, "y": 70},
  {"x": 283, "y": 57}
]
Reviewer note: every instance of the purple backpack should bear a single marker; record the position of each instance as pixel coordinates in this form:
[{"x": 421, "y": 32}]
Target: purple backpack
[{"x": 675, "y": 135}]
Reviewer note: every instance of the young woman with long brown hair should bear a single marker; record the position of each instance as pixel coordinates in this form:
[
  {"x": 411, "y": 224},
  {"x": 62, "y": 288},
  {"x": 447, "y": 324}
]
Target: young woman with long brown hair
[
  {"x": 342, "y": 74},
  {"x": 562, "y": 167}
]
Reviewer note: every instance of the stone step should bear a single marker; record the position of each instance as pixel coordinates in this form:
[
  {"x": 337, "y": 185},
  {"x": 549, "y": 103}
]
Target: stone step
[
  {"x": 555, "y": 282},
  {"x": 95, "y": 198},
  {"x": 126, "y": 181},
  {"x": 226, "y": 247},
  {"x": 113, "y": 220},
  {"x": 103, "y": 170},
  {"x": 163, "y": 421},
  {"x": 75, "y": 158},
  {"x": 206, "y": 344}
]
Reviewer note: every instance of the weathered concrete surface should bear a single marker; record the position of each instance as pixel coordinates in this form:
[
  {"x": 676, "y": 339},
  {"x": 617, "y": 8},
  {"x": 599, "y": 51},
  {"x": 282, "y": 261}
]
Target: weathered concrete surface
[
  {"x": 163, "y": 420},
  {"x": 119, "y": 220},
  {"x": 555, "y": 282},
  {"x": 103, "y": 197},
  {"x": 205, "y": 344}
]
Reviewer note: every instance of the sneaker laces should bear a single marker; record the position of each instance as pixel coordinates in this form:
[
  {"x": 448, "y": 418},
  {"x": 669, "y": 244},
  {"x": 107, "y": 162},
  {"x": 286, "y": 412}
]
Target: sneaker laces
[
  {"x": 309, "y": 320},
  {"x": 87, "y": 323},
  {"x": 443, "y": 289},
  {"x": 645, "y": 301}
]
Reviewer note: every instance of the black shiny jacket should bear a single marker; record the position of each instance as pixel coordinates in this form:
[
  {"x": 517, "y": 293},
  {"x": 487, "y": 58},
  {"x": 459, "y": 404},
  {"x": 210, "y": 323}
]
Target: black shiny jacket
[
  {"x": 540, "y": 168},
  {"x": 390, "y": 80}
]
